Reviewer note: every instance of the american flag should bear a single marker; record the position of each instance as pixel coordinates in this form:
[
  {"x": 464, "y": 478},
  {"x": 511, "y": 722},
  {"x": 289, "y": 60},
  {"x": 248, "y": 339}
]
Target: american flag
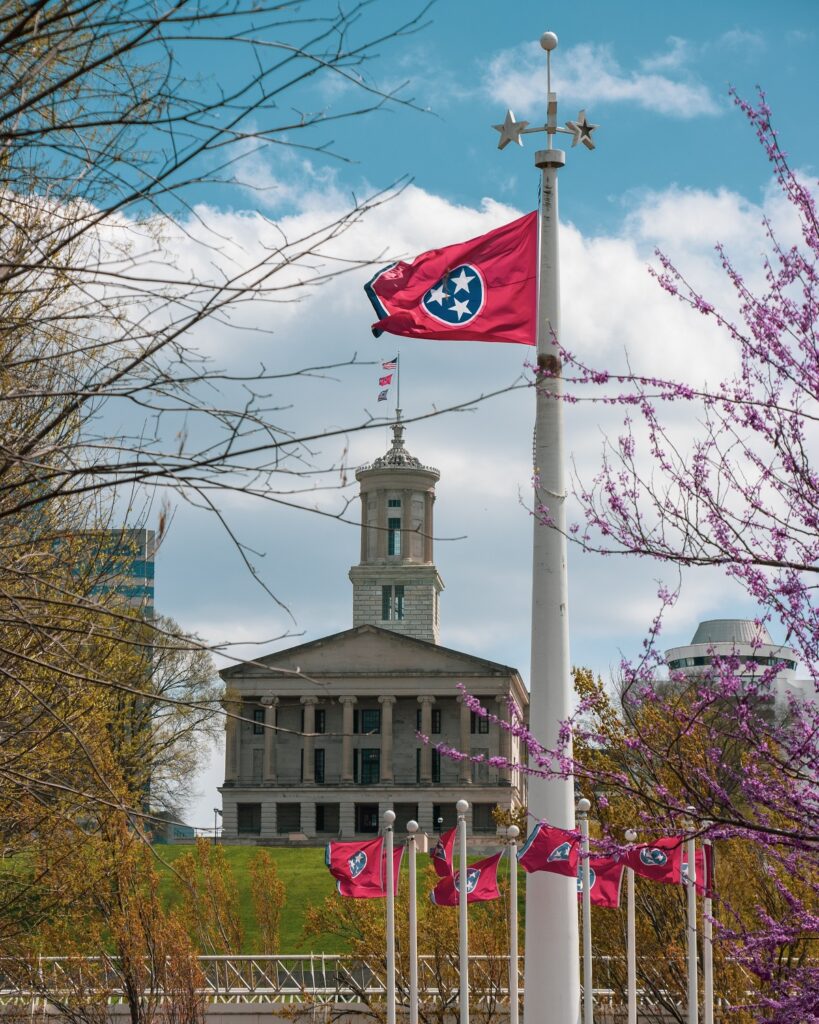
[{"x": 391, "y": 364}]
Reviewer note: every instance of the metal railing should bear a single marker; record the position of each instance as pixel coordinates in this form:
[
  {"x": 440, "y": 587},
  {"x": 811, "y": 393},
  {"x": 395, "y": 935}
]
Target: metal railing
[{"x": 312, "y": 978}]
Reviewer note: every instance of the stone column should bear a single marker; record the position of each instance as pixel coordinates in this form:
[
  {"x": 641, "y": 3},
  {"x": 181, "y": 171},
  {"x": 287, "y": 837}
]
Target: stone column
[
  {"x": 309, "y": 740},
  {"x": 426, "y": 728},
  {"x": 464, "y": 743},
  {"x": 363, "y": 527},
  {"x": 233, "y": 708},
  {"x": 387, "y": 768},
  {"x": 504, "y": 739},
  {"x": 269, "y": 769},
  {"x": 381, "y": 525},
  {"x": 347, "y": 738},
  {"x": 429, "y": 498},
  {"x": 406, "y": 525}
]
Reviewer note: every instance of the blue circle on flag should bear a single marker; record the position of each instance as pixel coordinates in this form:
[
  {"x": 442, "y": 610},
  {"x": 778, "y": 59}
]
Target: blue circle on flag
[
  {"x": 458, "y": 297},
  {"x": 357, "y": 863},
  {"x": 592, "y": 878}
]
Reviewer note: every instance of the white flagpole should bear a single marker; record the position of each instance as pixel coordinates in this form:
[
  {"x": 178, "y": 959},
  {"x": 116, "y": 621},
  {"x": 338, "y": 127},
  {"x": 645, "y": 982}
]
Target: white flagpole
[
  {"x": 462, "y": 807},
  {"x": 707, "y": 944},
  {"x": 631, "y": 938},
  {"x": 389, "y": 818},
  {"x": 552, "y": 975},
  {"x": 512, "y": 834},
  {"x": 693, "y": 997},
  {"x": 412, "y": 828},
  {"x": 552, "y": 971},
  {"x": 583, "y": 806}
]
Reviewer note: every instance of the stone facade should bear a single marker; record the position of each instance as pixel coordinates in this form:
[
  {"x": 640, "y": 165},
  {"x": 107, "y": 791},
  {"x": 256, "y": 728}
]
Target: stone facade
[{"x": 322, "y": 738}]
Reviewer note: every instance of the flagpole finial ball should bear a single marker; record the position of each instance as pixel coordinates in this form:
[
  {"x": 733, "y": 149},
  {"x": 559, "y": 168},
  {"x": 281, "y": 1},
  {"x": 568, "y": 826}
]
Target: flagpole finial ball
[
  {"x": 389, "y": 817},
  {"x": 548, "y": 40},
  {"x": 412, "y": 827},
  {"x": 462, "y": 806},
  {"x": 631, "y": 835},
  {"x": 513, "y": 832},
  {"x": 583, "y": 805}
]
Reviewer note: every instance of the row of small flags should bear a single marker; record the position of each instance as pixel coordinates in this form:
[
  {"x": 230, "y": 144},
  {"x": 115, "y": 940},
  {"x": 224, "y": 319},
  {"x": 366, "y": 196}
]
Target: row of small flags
[
  {"x": 360, "y": 870},
  {"x": 389, "y": 369}
]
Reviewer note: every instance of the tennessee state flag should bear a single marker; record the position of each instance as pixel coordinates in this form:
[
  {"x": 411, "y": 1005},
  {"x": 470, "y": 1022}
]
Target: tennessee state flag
[
  {"x": 661, "y": 861},
  {"x": 481, "y": 290},
  {"x": 605, "y": 879},
  {"x": 551, "y": 849},
  {"x": 441, "y": 854},
  {"x": 481, "y": 884},
  {"x": 360, "y": 868},
  {"x": 704, "y": 861}
]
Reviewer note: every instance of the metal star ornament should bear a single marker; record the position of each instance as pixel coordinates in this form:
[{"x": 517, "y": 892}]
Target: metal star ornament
[
  {"x": 510, "y": 130},
  {"x": 581, "y": 130}
]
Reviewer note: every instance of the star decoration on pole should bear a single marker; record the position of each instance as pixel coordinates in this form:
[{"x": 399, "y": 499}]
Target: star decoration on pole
[
  {"x": 510, "y": 130},
  {"x": 581, "y": 130}
]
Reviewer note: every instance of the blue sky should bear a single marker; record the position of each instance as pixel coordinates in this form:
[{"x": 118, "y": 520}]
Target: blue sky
[{"x": 676, "y": 166}]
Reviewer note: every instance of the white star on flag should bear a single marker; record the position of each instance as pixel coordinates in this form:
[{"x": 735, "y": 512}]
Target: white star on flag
[
  {"x": 461, "y": 282},
  {"x": 437, "y": 294},
  {"x": 461, "y": 307}
]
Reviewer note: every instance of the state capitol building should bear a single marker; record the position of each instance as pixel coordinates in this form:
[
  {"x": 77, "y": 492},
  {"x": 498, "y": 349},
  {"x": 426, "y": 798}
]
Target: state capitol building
[{"x": 321, "y": 738}]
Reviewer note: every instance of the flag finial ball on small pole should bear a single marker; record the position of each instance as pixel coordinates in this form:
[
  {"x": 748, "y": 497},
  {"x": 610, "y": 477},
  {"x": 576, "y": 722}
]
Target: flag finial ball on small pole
[
  {"x": 583, "y": 805},
  {"x": 462, "y": 806},
  {"x": 412, "y": 827},
  {"x": 631, "y": 835},
  {"x": 389, "y": 817},
  {"x": 513, "y": 832},
  {"x": 548, "y": 40}
]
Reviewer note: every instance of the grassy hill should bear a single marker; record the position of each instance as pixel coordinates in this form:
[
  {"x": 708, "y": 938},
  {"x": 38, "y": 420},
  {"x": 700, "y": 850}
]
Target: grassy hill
[
  {"x": 306, "y": 879},
  {"x": 307, "y": 883}
]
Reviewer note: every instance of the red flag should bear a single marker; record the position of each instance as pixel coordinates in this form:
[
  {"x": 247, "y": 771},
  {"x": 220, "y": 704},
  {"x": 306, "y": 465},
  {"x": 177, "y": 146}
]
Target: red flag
[
  {"x": 551, "y": 849},
  {"x": 360, "y": 891},
  {"x": 661, "y": 861},
  {"x": 704, "y": 862},
  {"x": 481, "y": 884},
  {"x": 481, "y": 290},
  {"x": 360, "y": 867},
  {"x": 605, "y": 878},
  {"x": 441, "y": 853},
  {"x": 384, "y": 382}
]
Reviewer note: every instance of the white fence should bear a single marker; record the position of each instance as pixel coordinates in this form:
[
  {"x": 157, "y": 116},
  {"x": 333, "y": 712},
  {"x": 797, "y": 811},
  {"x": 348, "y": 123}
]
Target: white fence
[{"x": 313, "y": 978}]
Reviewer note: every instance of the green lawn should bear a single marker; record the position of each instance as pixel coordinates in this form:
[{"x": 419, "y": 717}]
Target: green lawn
[
  {"x": 306, "y": 879},
  {"x": 307, "y": 882}
]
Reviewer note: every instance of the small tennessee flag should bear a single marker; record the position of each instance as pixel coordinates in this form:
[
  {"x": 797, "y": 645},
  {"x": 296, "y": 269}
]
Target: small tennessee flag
[
  {"x": 605, "y": 879},
  {"x": 360, "y": 867},
  {"x": 551, "y": 849},
  {"x": 481, "y": 884},
  {"x": 441, "y": 854},
  {"x": 661, "y": 861},
  {"x": 704, "y": 862},
  {"x": 481, "y": 290}
]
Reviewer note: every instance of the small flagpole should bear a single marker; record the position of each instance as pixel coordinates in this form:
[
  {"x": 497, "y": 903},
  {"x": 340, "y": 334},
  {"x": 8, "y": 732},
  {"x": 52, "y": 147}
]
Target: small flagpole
[
  {"x": 462, "y": 807},
  {"x": 412, "y": 828},
  {"x": 707, "y": 938},
  {"x": 631, "y": 938},
  {"x": 512, "y": 834},
  {"x": 398, "y": 385},
  {"x": 693, "y": 1008},
  {"x": 389, "y": 818},
  {"x": 583, "y": 807}
]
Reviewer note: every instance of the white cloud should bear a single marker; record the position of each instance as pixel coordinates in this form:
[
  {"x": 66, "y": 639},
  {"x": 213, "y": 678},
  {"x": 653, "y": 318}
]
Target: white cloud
[{"x": 589, "y": 73}]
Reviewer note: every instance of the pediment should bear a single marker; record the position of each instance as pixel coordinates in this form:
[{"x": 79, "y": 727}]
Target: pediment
[{"x": 369, "y": 651}]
